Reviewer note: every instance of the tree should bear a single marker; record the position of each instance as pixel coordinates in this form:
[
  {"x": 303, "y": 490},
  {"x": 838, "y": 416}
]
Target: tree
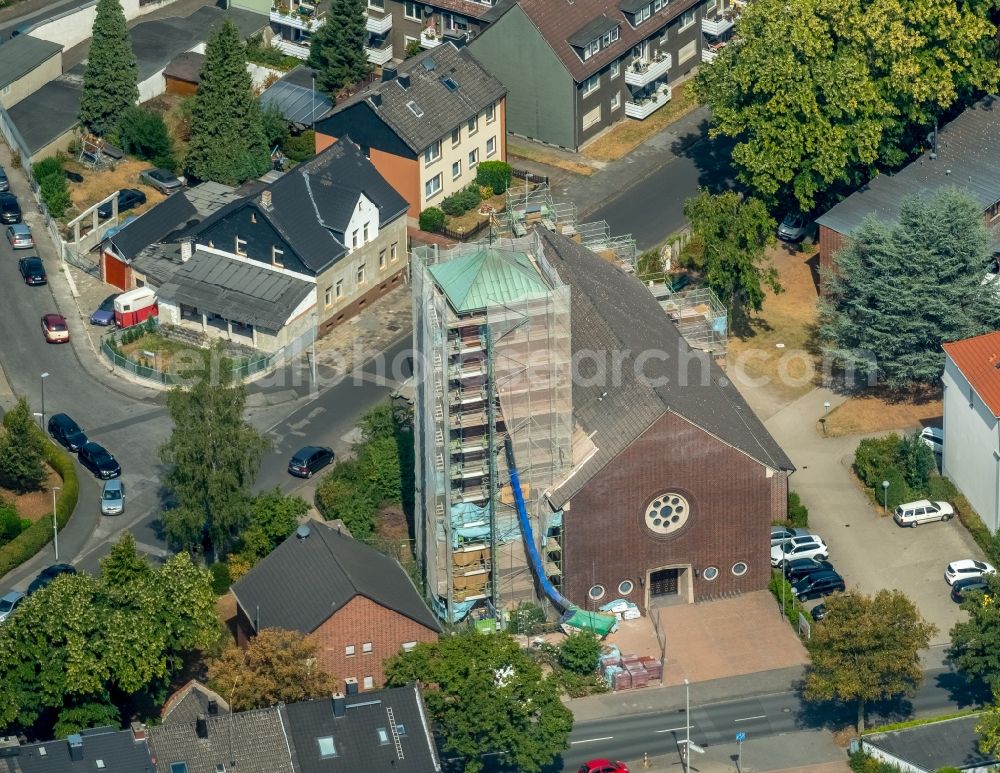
[
  {"x": 21, "y": 451},
  {"x": 227, "y": 142},
  {"x": 87, "y": 713},
  {"x": 278, "y": 666},
  {"x": 337, "y": 49},
  {"x": 730, "y": 234},
  {"x": 486, "y": 696},
  {"x": 273, "y": 516},
  {"x": 579, "y": 652},
  {"x": 143, "y": 133},
  {"x": 975, "y": 643},
  {"x": 989, "y": 728},
  {"x": 822, "y": 92},
  {"x": 109, "y": 82},
  {"x": 213, "y": 455},
  {"x": 275, "y": 126},
  {"x": 123, "y": 566},
  {"x": 867, "y": 649},
  {"x": 901, "y": 289}
]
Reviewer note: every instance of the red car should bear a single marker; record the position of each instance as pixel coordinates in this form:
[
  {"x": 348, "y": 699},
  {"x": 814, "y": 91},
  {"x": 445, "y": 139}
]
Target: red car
[
  {"x": 54, "y": 329},
  {"x": 603, "y": 766}
]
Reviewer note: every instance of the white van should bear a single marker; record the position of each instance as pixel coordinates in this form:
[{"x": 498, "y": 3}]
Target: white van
[{"x": 914, "y": 513}]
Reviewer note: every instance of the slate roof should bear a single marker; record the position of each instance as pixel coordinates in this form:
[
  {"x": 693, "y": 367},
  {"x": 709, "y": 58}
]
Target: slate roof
[
  {"x": 472, "y": 282},
  {"x": 298, "y": 103},
  {"x": 611, "y": 311},
  {"x": 117, "y": 749},
  {"x": 186, "y": 66},
  {"x": 978, "y": 359},
  {"x": 248, "y": 742},
  {"x": 190, "y": 701},
  {"x": 442, "y": 109},
  {"x": 356, "y": 734},
  {"x": 930, "y": 747},
  {"x": 157, "y": 263},
  {"x": 23, "y": 54},
  {"x": 49, "y": 113},
  {"x": 302, "y": 582},
  {"x": 250, "y": 292},
  {"x": 968, "y": 156}
]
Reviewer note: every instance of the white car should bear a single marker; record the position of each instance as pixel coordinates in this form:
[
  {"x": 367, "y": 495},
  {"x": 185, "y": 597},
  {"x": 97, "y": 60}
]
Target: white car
[
  {"x": 913, "y": 514},
  {"x": 781, "y": 534},
  {"x": 811, "y": 546},
  {"x": 933, "y": 438},
  {"x": 967, "y": 567}
]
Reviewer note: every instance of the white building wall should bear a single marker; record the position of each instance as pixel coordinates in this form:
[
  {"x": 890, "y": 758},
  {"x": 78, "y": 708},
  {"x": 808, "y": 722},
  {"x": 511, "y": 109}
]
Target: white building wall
[
  {"x": 971, "y": 446},
  {"x": 74, "y": 26},
  {"x": 364, "y": 213}
]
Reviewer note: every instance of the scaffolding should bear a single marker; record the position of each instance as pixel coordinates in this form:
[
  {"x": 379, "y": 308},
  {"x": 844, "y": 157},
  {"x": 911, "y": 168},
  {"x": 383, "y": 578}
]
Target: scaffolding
[{"x": 698, "y": 315}]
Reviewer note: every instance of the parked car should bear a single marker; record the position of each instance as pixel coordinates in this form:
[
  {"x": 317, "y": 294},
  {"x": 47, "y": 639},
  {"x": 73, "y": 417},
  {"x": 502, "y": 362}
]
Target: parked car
[
  {"x": 793, "y": 228},
  {"x": 162, "y": 179},
  {"x": 961, "y": 590},
  {"x": 965, "y": 568},
  {"x": 814, "y": 586},
  {"x": 32, "y": 271},
  {"x": 811, "y": 546},
  {"x": 48, "y": 574},
  {"x": 933, "y": 438},
  {"x": 4, "y": 182},
  {"x": 128, "y": 198},
  {"x": 914, "y": 513},
  {"x": 781, "y": 534},
  {"x": 19, "y": 236},
  {"x": 818, "y": 612},
  {"x": 603, "y": 766},
  {"x": 8, "y": 603},
  {"x": 10, "y": 210},
  {"x": 798, "y": 568},
  {"x": 113, "y": 498},
  {"x": 98, "y": 460},
  {"x": 66, "y": 432},
  {"x": 54, "y": 329},
  {"x": 104, "y": 315},
  {"x": 308, "y": 460}
]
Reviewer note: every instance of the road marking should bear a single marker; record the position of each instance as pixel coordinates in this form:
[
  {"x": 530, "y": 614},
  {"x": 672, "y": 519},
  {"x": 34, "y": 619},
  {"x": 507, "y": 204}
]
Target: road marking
[
  {"x": 747, "y": 719},
  {"x": 672, "y": 729},
  {"x": 591, "y": 740}
]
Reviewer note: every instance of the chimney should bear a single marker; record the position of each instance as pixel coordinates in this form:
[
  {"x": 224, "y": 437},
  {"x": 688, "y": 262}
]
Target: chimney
[
  {"x": 75, "y": 747},
  {"x": 265, "y": 199},
  {"x": 187, "y": 248},
  {"x": 213, "y": 707},
  {"x": 138, "y": 731},
  {"x": 388, "y": 74},
  {"x": 352, "y": 685},
  {"x": 201, "y": 726},
  {"x": 376, "y": 99},
  {"x": 404, "y": 81},
  {"x": 10, "y": 746},
  {"x": 339, "y": 704}
]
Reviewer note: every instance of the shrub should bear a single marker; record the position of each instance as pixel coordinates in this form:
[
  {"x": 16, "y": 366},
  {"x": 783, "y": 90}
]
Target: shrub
[
  {"x": 47, "y": 167},
  {"x": 874, "y": 456},
  {"x": 798, "y": 513},
  {"x": 412, "y": 49},
  {"x": 526, "y": 619},
  {"x": 461, "y": 201},
  {"x": 579, "y": 652},
  {"x": 432, "y": 220},
  {"x": 220, "y": 578},
  {"x": 916, "y": 460},
  {"x": 143, "y": 133},
  {"x": 10, "y": 524},
  {"x": 485, "y": 192},
  {"x": 268, "y": 56},
  {"x": 55, "y": 194},
  {"x": 792, "y": 606},
  {"x": 300, "y": 147},
  {"x": 496, "y": 174}
]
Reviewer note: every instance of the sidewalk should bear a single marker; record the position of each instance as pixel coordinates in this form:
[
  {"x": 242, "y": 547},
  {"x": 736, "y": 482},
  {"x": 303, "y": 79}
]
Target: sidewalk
[{"x": 807, "y": 752}]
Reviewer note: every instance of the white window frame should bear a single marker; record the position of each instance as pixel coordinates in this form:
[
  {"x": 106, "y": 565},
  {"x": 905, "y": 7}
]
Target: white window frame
[
  {"x": 241, "y": 247},
  {"x": 328, "y": 297},
  {"x": 456, "y": 169},
  {"x": 491, "y": 113},
  {"x": 687, "y": 51},
  {"x": 349, "y": 650},
  {"x": 366, "y": 647},
  {"x": 368, "y": 683},
  {"x": 643, "y": 14},
  {"x": 616, "y": 100},
  {"x": 591, "y": 118},
  {"x": 409, "y": 646},
  {"x": 473, "y": 158},
  {"x": 592, "y": 84},
  {"x": 473, "y": 125},
  {"x": 277, "y": 256},
  {"x": 659, "y": 5},
  {"x": 616, "y": 69},
  {"x": 354, "y": 239},
  {"x": 393, "y": 257},
  {"x": 432, "y": 153},
  {"x": 378, "y": 5},
  {"x": 360, "y": 274},
  {"x": 338, "y": 289},
  {"x": 692, "y": 18},
  {"x": 407, "y": 4},
  {"x": 364, "y": 233},
  {"x": 430, "y": 191},
  {"x": 381, "y": 260},
  {"x": 491, "y": 147},
  {"x": 456, "y": 137}
]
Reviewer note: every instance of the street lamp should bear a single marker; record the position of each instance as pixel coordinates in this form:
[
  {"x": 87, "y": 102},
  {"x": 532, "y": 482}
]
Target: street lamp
[
  {"x": 885, "y": 496},
  {"x": 55, "y": 522},
  {"x": 687, "y": 723},
  {"x": 44, "y": 376}
]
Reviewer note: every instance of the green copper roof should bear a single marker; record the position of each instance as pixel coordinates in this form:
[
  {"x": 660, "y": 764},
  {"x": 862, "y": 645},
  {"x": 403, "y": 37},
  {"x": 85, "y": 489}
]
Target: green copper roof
[{"x": 489, "y": 276}]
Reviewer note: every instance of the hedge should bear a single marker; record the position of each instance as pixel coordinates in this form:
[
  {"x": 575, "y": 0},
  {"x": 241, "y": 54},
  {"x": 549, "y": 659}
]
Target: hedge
[
  {"x": 462, "y": 201},
  {"x": 31, "y": 541},
  {"x": 496, "y": 174},
  {"x": 793, "y": 608},
  {"x": 431, "y": 220}
]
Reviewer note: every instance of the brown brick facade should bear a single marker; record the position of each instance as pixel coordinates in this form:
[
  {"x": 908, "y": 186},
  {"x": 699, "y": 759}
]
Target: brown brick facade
[{"x": 732, "y": 501}]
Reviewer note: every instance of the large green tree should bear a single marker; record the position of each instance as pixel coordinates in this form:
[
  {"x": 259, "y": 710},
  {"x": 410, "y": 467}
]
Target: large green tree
[
  {"x": 110, "y": 80},
  {"x": 337, "y": 49},
  {"x": 273, "y": 516},
  {"x": 487, "y": 696},
  {"x": 21, "y": 452},
  {"x": 820, "y": 92},
  {"x": 730, "y": 235},
  {"x": 975, "y": 643},
  {"x": 213, "y": 456},
  {"x": 901, "y": 289},
  {"x": 866, "y": 649},
  {"x": 227, "y": 141}
]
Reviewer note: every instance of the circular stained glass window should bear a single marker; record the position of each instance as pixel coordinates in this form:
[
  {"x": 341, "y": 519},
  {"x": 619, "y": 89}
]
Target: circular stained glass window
[
  {"x": 710, "y": 573},
  {"x": 625, "y": 587},
  {"x": 596, "y": 592},
  {"x": 667, "y": 513},
  {"x": 740, "y": 568}
]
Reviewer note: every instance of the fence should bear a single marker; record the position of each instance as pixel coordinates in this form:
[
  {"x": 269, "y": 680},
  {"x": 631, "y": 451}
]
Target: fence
[
  {"x": 524, "y": 174},
  {"x": 463, "y": 236}
]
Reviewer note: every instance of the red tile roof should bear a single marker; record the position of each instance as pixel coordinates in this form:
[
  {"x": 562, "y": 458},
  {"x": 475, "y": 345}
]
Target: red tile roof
[{"x": 979, "y": 360}]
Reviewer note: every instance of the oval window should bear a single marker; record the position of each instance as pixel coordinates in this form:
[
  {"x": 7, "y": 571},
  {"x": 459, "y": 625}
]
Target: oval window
[
  {"x": 710, "y": 573},
  {"x": 740, "y": 568},
  {"x": 596, "y": 592},
  {"x": 625, "y": 587}
]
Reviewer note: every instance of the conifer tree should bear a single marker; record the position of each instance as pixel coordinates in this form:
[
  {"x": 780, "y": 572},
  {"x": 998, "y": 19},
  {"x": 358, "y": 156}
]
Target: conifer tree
[
  {"x": 337, "y": 49},
  {"x": 109, "y": 82}
]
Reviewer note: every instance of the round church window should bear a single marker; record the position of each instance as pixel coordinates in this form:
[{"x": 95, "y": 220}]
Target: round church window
[{"x": 667, "y": 513}]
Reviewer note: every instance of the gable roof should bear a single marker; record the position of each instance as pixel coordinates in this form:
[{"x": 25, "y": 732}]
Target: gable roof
[
  {"x": 613, "y": 312},
  {"x": 191, "y": 700},
  {"x": 119, "y": 751},
  {"x": 356, "y": 734},
  {"x": 936, "y": 745},
  {"x": 978, "y": 359},
  {"x": 436, "y": 109},
  {"x": 967, "y": 156},
  {"x": 473, "y": 282},
  {"x": 186, "y": 66},
  {"x": 23, "y": 54},
  {"x": 302, "y": 582}
]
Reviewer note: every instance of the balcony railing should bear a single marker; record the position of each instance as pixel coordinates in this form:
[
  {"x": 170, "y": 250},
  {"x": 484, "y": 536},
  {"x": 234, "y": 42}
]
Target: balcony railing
[
  {"x": 642, "y": 72},
  {"x": 380, "y": 56},
  {"x": 716, "y": 27},
  {"x": 646, "y": 107},
  {"x": 709, "y": 54},
  {"x": 430, "y": 38},
  {"x": 291, "y": 49},
  {"x": 300, "y": 21},
  {"x": 379, "y": 26}
]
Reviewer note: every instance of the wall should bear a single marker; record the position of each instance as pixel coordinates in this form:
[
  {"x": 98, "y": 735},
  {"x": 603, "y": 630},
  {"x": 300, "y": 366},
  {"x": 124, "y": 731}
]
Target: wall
[
  {"x": 403, "y": 174},
  {"x": 31, "y": 82},
  {"x": 74, "y": 27},
  {"x": 179, "y": 87},
  {"x": 605, "y": 537},
  {"x": 362, "y": 620},
  {"x": 971, "y": 446},
  {"x": 829, "y": 242},
  {"x": 260, "y": 6}
]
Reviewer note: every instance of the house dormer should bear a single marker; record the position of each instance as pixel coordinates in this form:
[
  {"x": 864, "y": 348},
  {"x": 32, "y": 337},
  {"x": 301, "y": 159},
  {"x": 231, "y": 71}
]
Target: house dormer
[
  {"x": 638, "y": 11},
  {"x": 598, "y": 34}
]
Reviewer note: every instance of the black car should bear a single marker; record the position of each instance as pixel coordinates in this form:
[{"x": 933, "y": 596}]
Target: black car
[
  {"x": 47, "y": 575},
  {"x": 32, "y": 271},
  {"x": 306, "y": 461},
  {"x": 10, "y": 210},
  {"x": 798, "y": 568},
  {"x": 66, "y": 432},
  {"x": 96, "y": 458},
  {"x": 4, "y": 182},
  {"x": 813, "y": 586},
  {"x": 818, "y": 612},
  {"x": 962, "y": 588},
  {"x": 127, "y": 199}
]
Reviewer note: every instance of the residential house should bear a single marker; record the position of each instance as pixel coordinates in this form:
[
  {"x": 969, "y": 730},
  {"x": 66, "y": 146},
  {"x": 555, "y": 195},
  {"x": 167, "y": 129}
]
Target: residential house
[
  {"x": 583, "y": 65},
  {"x": 965, "y": 153},
  {"x": 101, "y": 748},
  {"x": 971, "y": 457},
  {"x": 26, "y": 64},
  {"x": 191, "y": 701},
  {"x": 292, "y": 22},
  {"x": 425, "y": 126},
  {"x": 644, "y": 476},
  {"x": 358, "y": 603},
  {"x": 948, "y": 744}
]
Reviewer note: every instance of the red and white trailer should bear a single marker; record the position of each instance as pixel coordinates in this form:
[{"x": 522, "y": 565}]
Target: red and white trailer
[{"x": 135, "y": 306}]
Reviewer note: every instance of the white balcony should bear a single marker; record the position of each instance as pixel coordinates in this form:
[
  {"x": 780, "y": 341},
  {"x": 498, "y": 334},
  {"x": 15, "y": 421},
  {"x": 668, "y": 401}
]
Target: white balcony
[
  {"x": 709, "y": 54},
  {"x": 430, "y": 38},
  {"x": 380, "y": 56},
  {"x": 290, "y": 49},
  {"x": 643, "y": 72},
  {"x": 646, "y": 107},
  {"x": 379, "y": 26},
  {"x": 716, "y": 27},
  {"x": 299, "y": 21}
]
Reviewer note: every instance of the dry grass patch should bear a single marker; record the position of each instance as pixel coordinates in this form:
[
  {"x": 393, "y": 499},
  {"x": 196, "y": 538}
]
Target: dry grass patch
[
  {"x": 549, "y": 158},
  {"x": 34, "y": 504},
  {"x": 98, "y": 184},
  {"x": 865, "y": 414},
  {"x": 472, "y": 218},
  {"x": 629, "y": 133}
]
